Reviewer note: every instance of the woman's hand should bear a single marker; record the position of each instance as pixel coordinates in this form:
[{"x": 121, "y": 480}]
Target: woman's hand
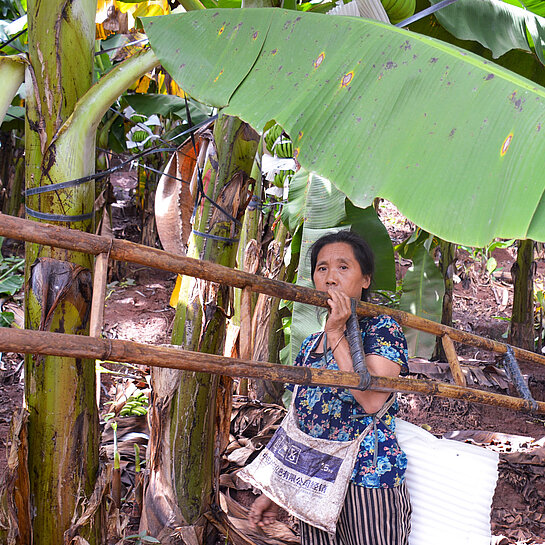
[
  {"x": 263, "y": 512},
  {"x": 340, "y": 311}
]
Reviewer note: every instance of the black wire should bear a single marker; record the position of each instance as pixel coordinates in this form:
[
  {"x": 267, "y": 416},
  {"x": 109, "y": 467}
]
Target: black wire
[
  {"x": 165, "y": 174},
  {"x": 14, "y": 37},
  {"x": 14, "y": 116},
  {"x": 91, "y": 177},
  {"x": 156, "y": 149},
  {"x": 103, "y": 173}
]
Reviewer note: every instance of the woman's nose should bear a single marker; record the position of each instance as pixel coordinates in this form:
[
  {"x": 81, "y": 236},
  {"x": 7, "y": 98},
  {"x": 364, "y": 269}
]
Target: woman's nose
[{"x": 331, "y": 280}]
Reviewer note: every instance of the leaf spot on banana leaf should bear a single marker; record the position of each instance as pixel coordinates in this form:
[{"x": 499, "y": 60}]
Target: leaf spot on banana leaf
[
  {"x": 451, "y": 133},
  {"x": 300, "y": 135},
  {"x": 390, "y": 65},
  {"x": 489, "y": 77},
  {"x": 255, "y": 35},
  {"x": 220, "y": 31},
  {"x": 433, "y": 60},
  {"x": 274, "y": 51},
  {"x": 295, "y": 153},
  {"x": 506, "y": 144},
  {"x": 406, "y": 45},
  {"x": 347, "y": 78},
  {"x": 319, "y": 60},
  {"x": 538, "y": 127},
  {"x": 517, "y": 102},
  {"x": 218, "y": 76}
]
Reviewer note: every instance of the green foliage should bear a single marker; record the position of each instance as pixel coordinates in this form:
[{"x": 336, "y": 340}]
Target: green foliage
[
  {"x": 14, "y": 23},
  {"x": 11, "y": 281},
  {"x": 366, "y": 223},
  {"x": 142, "y": 538},
  {"x": 166, "y": 106},
  {"x": 423, "y": 290},
  {"x": 499, "y": 26},
  {"x": 15, "y": 119},
  {"x": 6, "y": 318},
  {"x": 413, "y": 243},
  {"x": 484, "y": 254}
]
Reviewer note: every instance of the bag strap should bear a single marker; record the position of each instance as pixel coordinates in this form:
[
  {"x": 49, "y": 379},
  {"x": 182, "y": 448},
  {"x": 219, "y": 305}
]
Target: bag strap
[
  {"x": 312, "y": 347},
  {"x": 375, "y": 416}
]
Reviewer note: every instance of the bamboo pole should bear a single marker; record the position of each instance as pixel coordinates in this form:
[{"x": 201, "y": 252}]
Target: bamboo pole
[
  {"x": 79, "y": 346},
  {"x": 245, "y": 335},
  {"x": 99, "y": 295},
  {"x": 453, "y": 361},
  {"x": 96, "y": 321},
  {"x": 124, "y": 250}
]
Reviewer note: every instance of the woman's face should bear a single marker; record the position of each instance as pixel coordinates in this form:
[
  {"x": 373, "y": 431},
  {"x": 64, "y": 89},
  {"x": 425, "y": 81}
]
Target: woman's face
[{"x": 338, "y": 269}]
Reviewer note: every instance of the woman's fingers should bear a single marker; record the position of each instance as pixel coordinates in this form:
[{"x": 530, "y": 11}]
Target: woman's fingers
[
  {"x": 263, "y": 512},
  {"x": 340, "y": 309}
]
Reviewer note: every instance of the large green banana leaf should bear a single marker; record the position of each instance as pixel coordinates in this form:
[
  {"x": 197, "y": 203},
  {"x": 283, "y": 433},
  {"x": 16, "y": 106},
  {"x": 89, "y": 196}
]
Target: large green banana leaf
[
  {"x": 497, "y": 25},
  {"x": 366, "y": 222},
  {"x": 516, "y": 60},
  {"x": 423, "y": 290},
  {"x": 454, "y": 141}
]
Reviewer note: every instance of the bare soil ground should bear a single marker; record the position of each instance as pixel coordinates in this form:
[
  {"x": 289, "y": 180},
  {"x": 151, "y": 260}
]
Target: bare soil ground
[{"x": 137, "y": 308}]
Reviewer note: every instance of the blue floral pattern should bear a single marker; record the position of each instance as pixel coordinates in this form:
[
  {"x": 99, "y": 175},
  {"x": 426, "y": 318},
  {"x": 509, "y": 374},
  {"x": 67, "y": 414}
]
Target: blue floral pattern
[{"x": 328, "y": 413}]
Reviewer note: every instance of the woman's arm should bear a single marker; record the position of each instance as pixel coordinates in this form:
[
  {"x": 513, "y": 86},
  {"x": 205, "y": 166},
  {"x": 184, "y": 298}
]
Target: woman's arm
[{"x": 371, "y": 401}]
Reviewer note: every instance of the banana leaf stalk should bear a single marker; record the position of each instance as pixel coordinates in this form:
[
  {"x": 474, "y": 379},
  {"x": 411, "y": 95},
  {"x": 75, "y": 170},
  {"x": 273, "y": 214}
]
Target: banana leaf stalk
[
  {"x": 138, "y": 484},
  {"x": 116, "y": 476}
]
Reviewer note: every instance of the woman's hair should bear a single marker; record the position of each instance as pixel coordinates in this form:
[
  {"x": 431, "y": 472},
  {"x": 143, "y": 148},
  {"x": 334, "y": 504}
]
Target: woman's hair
[{"x": 362, "y": 252}]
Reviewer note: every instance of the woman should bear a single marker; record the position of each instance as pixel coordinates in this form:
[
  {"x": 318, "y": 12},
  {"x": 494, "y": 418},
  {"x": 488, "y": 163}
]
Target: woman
[{"x": 377, "y": 508}]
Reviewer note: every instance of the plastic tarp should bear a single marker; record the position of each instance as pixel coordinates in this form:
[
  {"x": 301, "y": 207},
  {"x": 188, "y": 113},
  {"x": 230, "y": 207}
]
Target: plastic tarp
[{"x": 451, "y": 485}]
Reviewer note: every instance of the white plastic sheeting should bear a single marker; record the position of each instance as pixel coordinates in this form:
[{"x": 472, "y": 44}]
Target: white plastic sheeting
[{"x": 451, "y": 485}]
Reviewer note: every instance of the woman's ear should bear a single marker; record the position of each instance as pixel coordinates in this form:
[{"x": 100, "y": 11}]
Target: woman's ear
[{"x": 366, "y": 281}]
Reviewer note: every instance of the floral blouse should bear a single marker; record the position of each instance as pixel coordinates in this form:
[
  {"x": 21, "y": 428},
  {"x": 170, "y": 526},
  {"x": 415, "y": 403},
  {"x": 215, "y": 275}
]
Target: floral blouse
[{"x": 334, "y": 414}]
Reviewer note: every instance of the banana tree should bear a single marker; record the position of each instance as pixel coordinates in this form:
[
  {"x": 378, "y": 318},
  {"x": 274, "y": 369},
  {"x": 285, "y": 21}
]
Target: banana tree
[{"x": 63, "y": 112}]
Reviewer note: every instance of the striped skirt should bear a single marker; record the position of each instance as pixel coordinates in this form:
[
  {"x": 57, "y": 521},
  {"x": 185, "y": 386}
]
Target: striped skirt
[{"x": 370, "y": 516}]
